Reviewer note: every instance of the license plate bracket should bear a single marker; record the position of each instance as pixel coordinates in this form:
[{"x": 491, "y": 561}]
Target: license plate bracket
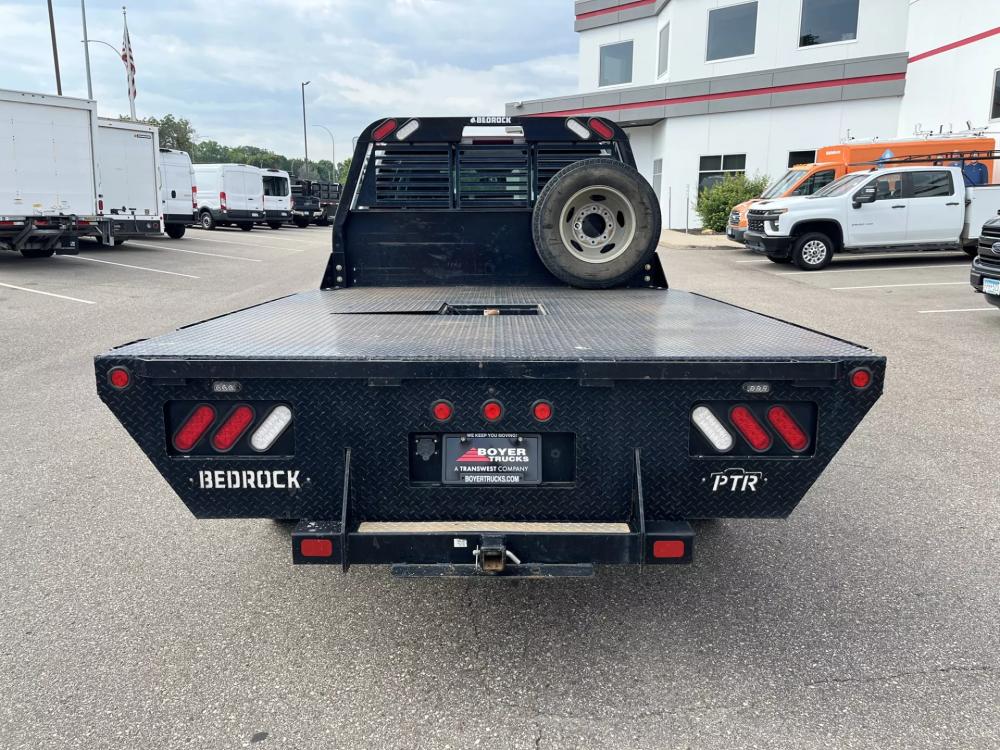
[
  {"x": 486, "y": 459},
  {"x": 991, "y": 286}
]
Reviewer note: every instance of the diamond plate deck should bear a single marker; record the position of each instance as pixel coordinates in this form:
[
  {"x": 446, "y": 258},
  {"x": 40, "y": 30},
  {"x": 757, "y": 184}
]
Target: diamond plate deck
[{"x": 400, "y": 324}]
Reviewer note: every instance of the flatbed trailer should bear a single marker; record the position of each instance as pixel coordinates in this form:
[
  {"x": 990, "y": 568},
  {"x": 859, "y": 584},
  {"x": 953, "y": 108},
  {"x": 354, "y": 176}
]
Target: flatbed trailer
[{"x": 445, "y": 405}]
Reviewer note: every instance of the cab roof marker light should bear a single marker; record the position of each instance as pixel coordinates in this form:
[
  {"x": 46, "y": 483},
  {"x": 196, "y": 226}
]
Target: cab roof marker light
[
  {"x": 407, "y": 130},
  {"x": 712, "y": 429},
  {"x": 272, "y": 428},
  {"x": 577, "y": 128}
]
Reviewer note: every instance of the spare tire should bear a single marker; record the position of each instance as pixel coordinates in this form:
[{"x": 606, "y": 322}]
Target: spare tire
[{"x": 596, "y": 223}]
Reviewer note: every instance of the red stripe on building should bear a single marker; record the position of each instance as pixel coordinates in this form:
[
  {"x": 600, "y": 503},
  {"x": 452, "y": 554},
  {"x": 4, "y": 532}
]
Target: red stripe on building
[
  {"x": 615, "y": 9},
  {"x": 729, "y": 94},
  {"x": 955, "y": 45}
]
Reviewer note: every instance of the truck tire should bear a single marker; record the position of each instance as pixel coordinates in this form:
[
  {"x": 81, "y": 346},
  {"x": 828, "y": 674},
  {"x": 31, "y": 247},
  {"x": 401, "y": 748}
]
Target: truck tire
[
  {"x": 207, "y": 222},
  {"x": 775, "y": 259},
  {"x": 812, "y": 251},
  {"x": 175, "y": 231},
  {"x": 246, "y": 227},
  {"x": 37, "y": 252},
  {"x": 274, "y": 224},
  {"x": 971, "y": 250},
  {"x": 596, "y": 223}
]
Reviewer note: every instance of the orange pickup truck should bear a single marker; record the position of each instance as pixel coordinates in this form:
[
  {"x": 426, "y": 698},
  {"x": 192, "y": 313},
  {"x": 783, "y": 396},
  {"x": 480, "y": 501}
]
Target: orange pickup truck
[{"x": 833, "y": 162}]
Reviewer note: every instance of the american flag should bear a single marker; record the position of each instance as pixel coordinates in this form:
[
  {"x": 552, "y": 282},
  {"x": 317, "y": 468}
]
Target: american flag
[{"x": 129, "y": 61}]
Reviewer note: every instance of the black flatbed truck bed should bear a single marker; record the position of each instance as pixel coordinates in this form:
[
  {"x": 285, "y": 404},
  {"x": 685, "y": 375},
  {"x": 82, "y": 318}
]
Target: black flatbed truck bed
[{"x": 618, "y": 468}]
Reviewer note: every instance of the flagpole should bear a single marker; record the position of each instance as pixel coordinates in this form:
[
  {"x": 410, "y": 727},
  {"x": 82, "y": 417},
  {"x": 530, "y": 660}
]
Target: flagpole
[{"x": 128, "y": 73}]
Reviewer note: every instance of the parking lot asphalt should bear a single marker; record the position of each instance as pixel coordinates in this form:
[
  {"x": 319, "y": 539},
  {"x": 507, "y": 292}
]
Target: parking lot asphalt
[{"x": 870, "y": 618}]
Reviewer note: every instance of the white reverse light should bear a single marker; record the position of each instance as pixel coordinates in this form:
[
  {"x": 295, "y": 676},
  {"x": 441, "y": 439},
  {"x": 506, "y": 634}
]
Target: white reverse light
[
  {"x": 407, "y": 130},
  {"x": 713, "y": 430},
  {"x": 577, "y": 127},
  {"x": 271, "y": 428}
]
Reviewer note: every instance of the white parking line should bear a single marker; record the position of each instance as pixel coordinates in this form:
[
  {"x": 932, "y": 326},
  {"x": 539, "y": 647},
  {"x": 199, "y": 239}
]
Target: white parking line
[
  {"x": 960, "y": 310},
  {"x": 237, "y": 242},
  {"x": 890, "y": 286},
  {"x": 48, "y": 294},
  {"x": 874, "y": 270},
  {"x": 194, "y": 252},
  {"x": 137, "y": 268}
]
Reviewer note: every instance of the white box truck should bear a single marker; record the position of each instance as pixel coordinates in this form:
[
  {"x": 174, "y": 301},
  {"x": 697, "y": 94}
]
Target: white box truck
[
  {"x": 277, "y": 197},
  {"x": 228, "y": 195},
  {"x": 128, "y": 179},
  {"x": 178, "y": 192},
  {"x": 48, "y": 184}
]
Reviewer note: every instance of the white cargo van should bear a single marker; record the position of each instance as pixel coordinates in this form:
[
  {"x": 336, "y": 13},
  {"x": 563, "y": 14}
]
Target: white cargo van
[
  {"x": 229, "y": 194},
  {"x": 277, "y": 197},
  {"x": 178, "y": 191},
  {"x": 128, "y": 178},
  {"x": 48, "y": 187}
]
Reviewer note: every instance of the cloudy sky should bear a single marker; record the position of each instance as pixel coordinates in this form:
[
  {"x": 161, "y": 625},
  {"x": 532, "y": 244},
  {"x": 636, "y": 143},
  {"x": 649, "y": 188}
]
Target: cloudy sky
[{"x": 233, "y": 68}]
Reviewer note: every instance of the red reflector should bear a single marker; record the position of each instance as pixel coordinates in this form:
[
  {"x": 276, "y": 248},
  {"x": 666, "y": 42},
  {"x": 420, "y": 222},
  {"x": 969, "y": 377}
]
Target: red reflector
[
  {"x": 601, "y": 128},
  {"x": 786, "y": 426},
  {"x": 751, "y": 430},
  {"x": 861, "y": 378},
  {"x": 542, "y": 411},
  {"x": 668, "y": 548},
  {"x": 492, "y": 410},
  {"x": 442, "y": 411},
  {"x": 383, "y": 130},
  {"x": 119, "y": 377},
  {"x": 235, "y": 425},
  {"x": 100, "y": 206},
  {"x": 194, "y": 428},
  {"x": 316, "y": 548}
]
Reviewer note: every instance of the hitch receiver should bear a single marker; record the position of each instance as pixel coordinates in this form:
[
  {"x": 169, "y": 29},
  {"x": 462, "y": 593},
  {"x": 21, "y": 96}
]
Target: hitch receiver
[{"x": 492, "y": 554}]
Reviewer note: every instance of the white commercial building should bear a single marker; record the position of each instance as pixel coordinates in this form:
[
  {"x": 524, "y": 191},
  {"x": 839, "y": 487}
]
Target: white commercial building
[{"x": 706, "y": 87}]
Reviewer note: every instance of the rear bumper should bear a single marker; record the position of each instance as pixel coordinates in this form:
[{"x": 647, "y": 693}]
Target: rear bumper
[
  {"x": 983, "y": 270},
  {"x": 60, "y": 233},
  {"x": 238, "y": 215},
  {"x": 122, "y": 227},
  {"x": 281, "y": 215},
  {"x": 778, "y": 247},
  {"x": 180, "y": 218}
]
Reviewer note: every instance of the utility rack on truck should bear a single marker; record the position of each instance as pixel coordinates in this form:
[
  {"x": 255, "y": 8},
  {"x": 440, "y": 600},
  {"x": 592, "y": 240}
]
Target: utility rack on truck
[{"x": 451, "y": 402}]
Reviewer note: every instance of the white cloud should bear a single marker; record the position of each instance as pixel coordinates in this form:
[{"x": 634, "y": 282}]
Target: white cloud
[{"x": 233, "y": 68}]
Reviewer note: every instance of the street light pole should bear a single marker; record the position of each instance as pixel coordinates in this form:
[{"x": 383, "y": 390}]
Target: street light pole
[
  {"x": 118, "y": 55},
  {"x": 55, "y": 49},
  {"x": 333, "y": 148},
  {"x": 305, "y": 132},
  {"x": 86, "y": 49}
]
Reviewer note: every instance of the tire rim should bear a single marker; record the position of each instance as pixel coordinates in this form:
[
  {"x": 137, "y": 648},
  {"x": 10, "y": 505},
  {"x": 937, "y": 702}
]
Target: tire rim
[
  {"x": 206, "y": 221},
  {"x": 814, "y": 252},
  {"x": 597, "y": 224}
]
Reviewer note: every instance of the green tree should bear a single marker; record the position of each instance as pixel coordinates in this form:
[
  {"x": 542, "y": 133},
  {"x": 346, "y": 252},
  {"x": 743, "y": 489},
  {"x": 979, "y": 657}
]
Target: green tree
[
  {"x": 716, "y": 202},
  {"x": 175, "y": 132}
]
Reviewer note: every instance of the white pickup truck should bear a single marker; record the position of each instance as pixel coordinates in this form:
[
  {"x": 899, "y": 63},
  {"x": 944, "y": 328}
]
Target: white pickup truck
[{"x": 902, "y": 208}]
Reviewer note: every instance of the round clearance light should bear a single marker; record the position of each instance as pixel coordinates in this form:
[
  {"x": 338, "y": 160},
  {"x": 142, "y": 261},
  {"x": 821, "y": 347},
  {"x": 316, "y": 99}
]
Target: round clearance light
[
  {"x": 542, "y": 411},
  {"x": 120, "y": 378},
  {"x": 861, "y": 378},
  {"x": 443, "y": 411},
  {"x": 492, "y": 411}
]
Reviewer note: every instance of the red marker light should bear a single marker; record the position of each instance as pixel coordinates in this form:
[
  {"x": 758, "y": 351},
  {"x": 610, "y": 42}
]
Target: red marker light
[
  {"x": 443, "y": 411},
  {"x": 119, "y": 378},
  {"x": 668, "y": 549},
  {"x": 786, "y": 426},
  {"x": 316, "y": 548},
  {"x": 383, "y": 130},
  {"x": 232, "y": 428},
  {"x": 751, "y": 430},
  {"x": 601, "y": 128},
  {"x": 492, "y": 411},
  {"x": 542, "y": 411},
  {"x": 194, "y": 428},
  {"x": 861, "y": 378}
]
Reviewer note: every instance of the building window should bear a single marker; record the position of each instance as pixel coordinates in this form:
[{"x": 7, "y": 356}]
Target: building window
[
  {"x": 826, "y": 21},
  {"x": 713, "y": 169},
  {"x": 800, "y": 157},
  {"x": 664, "y": 50},
  {"x": 732, "y": 31},
  {"x": 616, "y": 64},
  {"x": 995, "y": 112},
  {"x": 658, "y": 176}
]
